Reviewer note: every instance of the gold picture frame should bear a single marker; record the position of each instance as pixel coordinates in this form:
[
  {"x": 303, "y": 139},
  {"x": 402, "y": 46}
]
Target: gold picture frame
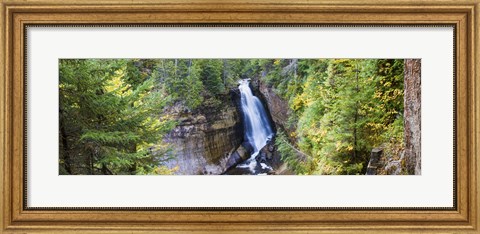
[{"x": 464, "y": 15}]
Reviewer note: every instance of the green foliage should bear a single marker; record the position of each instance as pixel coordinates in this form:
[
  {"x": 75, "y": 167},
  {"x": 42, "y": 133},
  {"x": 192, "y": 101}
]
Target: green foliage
[
  {"x": 115, "y": 137},
  {"x": 342, "y": 108},
  {"x": 110, "y": 116},
  {"x": 393, "y": 139},
  {"x": 198, "y": 83},
  {"x": 295, "y": 160},
  {"x": 113, "y": 112},
  {"x": 182, "y": 80},
  {"x": 235, "y": 70},
  {"x": 211, "y": 75}
]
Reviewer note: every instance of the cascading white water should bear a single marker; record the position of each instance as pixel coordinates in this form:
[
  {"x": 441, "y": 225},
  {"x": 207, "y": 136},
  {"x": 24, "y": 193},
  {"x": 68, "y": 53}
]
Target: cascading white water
[{"x": 257, "y": 126}]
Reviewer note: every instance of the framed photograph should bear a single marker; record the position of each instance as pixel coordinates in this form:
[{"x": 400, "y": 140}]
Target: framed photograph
[{"x": 244, "y": 116}]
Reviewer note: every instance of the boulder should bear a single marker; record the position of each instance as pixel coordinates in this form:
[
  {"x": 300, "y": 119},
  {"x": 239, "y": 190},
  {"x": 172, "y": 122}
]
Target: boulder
[
  {"x": 239, "y": 155},
  {"x": 374, "y": 162}
]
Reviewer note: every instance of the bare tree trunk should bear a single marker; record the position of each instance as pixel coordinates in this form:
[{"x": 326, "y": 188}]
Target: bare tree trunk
[
  {"x": 189, "y": 67},
  {"x": 412, "y": 118},
  {"x": 164, "y": 71}
]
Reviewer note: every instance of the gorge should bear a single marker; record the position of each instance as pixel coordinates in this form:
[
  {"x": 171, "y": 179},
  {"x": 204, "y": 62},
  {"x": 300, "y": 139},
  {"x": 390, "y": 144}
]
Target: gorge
[
  {"x": 225, "y": 142},
  {"x": 239, "y": 116}
]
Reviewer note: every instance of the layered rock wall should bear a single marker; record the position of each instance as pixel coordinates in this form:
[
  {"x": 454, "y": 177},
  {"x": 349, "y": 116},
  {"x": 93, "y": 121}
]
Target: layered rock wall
[{"x": 202, "y": 142}]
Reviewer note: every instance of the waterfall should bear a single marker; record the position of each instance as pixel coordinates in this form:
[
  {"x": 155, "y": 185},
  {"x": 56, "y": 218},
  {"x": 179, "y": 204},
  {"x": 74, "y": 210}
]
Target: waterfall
[{"x": 257, "y": 125}]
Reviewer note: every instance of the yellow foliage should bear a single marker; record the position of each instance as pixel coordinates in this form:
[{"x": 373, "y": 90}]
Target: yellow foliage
[
  {"x": 297, "y": 103},
  {"x": 117, "y": 86},
  {"x": 176, "y": 168},
  {"x": 338, "y": 145},
  {"x": 163, "y": 170}
]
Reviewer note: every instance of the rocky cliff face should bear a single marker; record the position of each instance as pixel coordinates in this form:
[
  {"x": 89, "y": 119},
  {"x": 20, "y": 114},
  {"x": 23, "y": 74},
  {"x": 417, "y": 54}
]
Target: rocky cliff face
[
  {"x": 279, "y": 112},
  {"x": 278, "y": 107},
  {"x": 203, "y": 142}
]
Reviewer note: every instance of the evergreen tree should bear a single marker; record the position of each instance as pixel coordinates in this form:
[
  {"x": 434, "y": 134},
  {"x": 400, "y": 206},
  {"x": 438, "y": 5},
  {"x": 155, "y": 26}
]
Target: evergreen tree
[
  {"x": 211, "y": 75},
  {"x": 342, "y": 108},
  {"x": 181, "y": 78},
  {"x": 110, "y": 118}
]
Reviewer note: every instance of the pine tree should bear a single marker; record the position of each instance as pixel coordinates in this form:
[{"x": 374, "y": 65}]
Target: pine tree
[
  {"x": 342, "y": 108},
  {"x": 109, "y": 117}
]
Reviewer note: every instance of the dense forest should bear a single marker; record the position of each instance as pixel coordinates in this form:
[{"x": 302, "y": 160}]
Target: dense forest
[
  {"x": 340, "y": 110},
  {"x": 184, "y": 116}
]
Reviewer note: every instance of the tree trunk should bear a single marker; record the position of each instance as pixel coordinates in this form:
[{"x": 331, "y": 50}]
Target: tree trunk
[
  {"x": 176, "y": 63},
  {"x": 189, "y": 67},
  {"x": 412, "y": 118},
  {"x": 65, "y": 154},
  {"x": 355, "y": 119},
  {"x": 224, "y": 72}
]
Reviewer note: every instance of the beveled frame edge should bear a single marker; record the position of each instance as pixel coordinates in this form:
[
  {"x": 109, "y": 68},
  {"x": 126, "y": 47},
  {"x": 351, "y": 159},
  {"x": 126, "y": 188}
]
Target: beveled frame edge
[{"x": 15, "y": 14}]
